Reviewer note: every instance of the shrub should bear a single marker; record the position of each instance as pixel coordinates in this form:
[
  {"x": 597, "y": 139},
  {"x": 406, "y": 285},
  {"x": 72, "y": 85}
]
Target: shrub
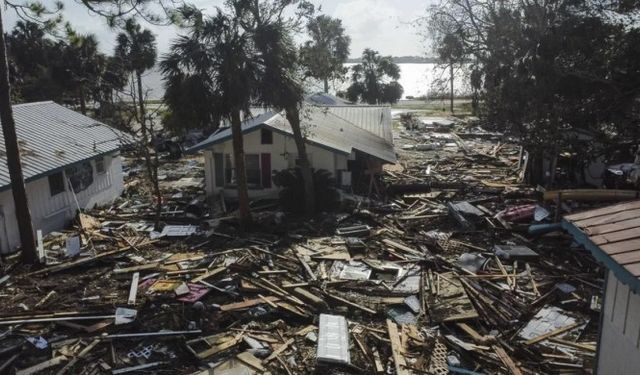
[{"x": 292, "y": 193}]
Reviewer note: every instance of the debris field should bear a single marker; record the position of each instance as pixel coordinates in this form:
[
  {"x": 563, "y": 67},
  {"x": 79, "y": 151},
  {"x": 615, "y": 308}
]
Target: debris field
[{"x": 454, "y": 266}]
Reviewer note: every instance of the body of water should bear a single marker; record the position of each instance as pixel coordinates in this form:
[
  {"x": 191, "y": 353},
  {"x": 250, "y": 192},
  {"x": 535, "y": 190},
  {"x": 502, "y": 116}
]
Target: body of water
[{"x": 416, "y": 79}]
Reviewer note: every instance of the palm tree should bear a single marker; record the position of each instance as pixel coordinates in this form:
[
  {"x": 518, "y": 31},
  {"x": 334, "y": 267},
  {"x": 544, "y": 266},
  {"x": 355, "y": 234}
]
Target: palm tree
[
  {"x": 136, "y": 50},
  {"x": 83, "y": 64},
  {"x": 219, "y": 53},
  {"x": 281, "y": 89}
]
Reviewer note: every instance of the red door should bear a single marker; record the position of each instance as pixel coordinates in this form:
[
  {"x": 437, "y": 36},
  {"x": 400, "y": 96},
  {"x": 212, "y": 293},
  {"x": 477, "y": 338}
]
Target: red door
[{"x": 265, "y": 168}]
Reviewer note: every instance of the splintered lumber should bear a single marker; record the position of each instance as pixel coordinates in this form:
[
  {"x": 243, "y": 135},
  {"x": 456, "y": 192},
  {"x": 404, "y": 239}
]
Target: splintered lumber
[
  {"x": 506, "y": 360},
  {"x": 477, "y": 337},
  {"x": 84, "y": 261},
  {"x": 307, "y": 269},
  {"x": 217, "y": 343},
  {"x": 53, "y": 318},
  {"x": 4, "y": 366},
  {"x": 278, "y": 351},
  {"x": 396, "y": 348},
  {"x": 576, "y": 345},
  {"x": 403, "y": 247},
  {"x": 352, "y": 304},
  {"x": 80, "y": 355},
  {"x": 150, "y": 334},
  {"x": 133, "y": 269},
  {"x": 251, "y": 360},
  {"x": 248, "y": 303},
  {"x": 552, "y": 333},
  {"x": 274, "y": 289},
  {"x": 587, "y": 195},
  {"x": 209, "y": 274},
  {"x": 314, "y": 299},
  {"x": 36, "y": 369},
  {"x": 137, "y": 368}
]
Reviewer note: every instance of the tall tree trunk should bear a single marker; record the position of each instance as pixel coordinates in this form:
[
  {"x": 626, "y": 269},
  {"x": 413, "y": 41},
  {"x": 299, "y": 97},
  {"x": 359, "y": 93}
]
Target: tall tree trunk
[
  {"x": 326, "y": 86},
  {"x": 23, "y": 215},
  {"x": 152, "y": 167},
  {"x": 241, "y": 172},
  {"x": 293, "y": 116},
  {"x": 451, "y": 76},
  {"x": 83, "y": 102}
]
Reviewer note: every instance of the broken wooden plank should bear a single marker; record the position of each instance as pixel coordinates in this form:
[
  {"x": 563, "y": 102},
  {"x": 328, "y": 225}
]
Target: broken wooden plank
[
  {"x": 251, "y": 360},
  {"x": 277, "y": 352},
  {"x": 248, "y": 303},
  {"x": 506, "y": 360},
  {"x": 552, "y": 333},
  {"x": 40, "y": 367},
  {"x": 209, "y": 274},
  {"x": 396, "y": 349},
  {"x": 352, "y": 304},
  {"x": 80, "y": 355}
]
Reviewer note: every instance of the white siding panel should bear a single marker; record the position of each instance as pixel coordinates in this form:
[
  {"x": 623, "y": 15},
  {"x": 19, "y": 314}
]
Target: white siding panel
[
  {"x": 618, "y": 347},
  {"x": 54, "y": 213}
]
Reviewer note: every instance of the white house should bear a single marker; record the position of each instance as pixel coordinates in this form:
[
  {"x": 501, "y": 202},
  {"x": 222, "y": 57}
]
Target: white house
[
  {"x": 612, "y": 234},
  {"x": 349, "y": 141},
  {"x": 69, "y": 161}
]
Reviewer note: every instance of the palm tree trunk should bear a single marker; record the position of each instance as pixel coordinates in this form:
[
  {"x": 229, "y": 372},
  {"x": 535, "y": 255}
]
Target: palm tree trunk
[
  {"x": 326, "y": 86},
  {"x": 241, "y": 172},
  {"x": 293, "y": 116},
  {"x": 83, "y": 102},
  {"x": 23, "y": 215},
  {"x": 451, "y": 75},
  {"x": 152, "y": 167}
]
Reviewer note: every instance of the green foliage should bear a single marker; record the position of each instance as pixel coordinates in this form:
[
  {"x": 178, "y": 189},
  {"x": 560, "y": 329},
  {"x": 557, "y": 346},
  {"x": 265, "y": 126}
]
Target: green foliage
[
  {"x": 65, "y": 70},
  {"x": 243, "y": 54},
  {"x": 546, "y": 69},
  {"x": 135, "y": 48},
  {"x": 292, "y": 195},
  {"x": 375, "y": 80},
  {"x": 325, "y": 54}
]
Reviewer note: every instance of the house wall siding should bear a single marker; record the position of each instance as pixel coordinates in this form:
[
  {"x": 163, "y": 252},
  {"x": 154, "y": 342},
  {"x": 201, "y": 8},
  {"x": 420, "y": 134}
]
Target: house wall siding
[
  {"x": 619, "y": 347},
  {"x": 54, "y": 213},
  {"x": 283, "y": 152}
]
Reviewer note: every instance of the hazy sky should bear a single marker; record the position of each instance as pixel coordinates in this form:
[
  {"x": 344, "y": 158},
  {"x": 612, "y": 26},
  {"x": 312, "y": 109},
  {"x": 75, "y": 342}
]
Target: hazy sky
[{"x": 384, "y": 25}]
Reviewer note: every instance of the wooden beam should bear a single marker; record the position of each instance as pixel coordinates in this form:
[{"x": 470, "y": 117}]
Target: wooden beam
[
  {"x": 552, "y": 333},
  {"x": 396, "y": 349}
]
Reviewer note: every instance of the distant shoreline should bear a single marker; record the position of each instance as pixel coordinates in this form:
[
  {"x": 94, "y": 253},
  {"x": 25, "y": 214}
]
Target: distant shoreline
[{"x": 403, "y": 60}]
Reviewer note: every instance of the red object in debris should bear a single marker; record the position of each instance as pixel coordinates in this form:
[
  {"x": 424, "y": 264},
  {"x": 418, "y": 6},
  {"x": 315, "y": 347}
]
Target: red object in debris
[
  {"x": 196, "y": 291},
  {"x": 522, "y": 212}
]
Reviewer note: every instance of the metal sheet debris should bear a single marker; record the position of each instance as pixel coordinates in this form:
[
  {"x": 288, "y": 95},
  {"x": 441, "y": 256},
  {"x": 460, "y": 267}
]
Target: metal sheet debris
[{"x": 333, "y": 340}]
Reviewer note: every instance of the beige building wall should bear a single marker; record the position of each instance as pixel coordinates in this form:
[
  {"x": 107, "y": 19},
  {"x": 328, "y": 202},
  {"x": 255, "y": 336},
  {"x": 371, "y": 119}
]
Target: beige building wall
[{"x": 283, "y": 153}]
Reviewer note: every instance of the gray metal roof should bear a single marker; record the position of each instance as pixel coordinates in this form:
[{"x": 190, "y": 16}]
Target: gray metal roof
[
  {"x": 374, "y": 119},
  {"x": 52, "y": 137},
  {"x": 322, "y": 128}
]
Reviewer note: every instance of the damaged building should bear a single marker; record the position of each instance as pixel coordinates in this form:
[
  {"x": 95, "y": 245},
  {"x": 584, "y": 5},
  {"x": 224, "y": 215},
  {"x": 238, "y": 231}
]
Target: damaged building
[
  {"x": 69, "y": 161},
  {"x": 351, "y": 142}
]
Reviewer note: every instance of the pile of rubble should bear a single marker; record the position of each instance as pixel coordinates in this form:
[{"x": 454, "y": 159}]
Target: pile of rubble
[{"x": 460, "y": 270}]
